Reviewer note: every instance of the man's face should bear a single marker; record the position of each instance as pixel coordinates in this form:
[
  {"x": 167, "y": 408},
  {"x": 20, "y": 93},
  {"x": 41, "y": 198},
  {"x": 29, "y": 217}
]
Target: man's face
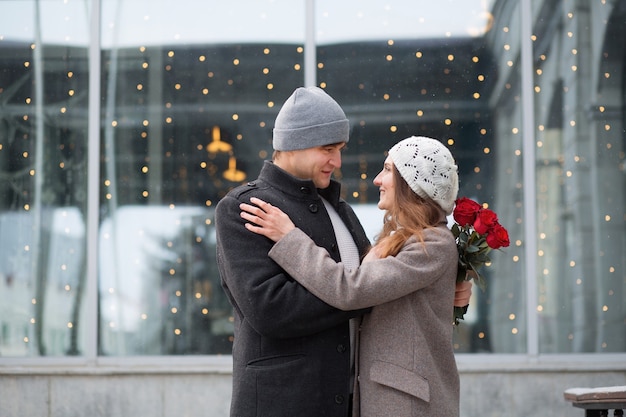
[{"x": 316, "y": 164}]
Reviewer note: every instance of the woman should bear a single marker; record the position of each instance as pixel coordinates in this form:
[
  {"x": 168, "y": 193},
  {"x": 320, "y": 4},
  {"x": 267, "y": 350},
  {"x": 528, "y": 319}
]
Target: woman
[{"x": 405, "y": 358}]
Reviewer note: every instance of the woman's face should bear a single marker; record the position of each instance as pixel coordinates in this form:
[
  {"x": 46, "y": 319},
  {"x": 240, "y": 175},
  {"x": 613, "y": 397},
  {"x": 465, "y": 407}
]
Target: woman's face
[
  {"x": 315, "y": 164},
  {"x": 386, "y": 185}
]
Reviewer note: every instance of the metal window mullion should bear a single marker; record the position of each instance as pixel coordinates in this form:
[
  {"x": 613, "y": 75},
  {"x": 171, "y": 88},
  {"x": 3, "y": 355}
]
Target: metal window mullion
[
  {"x": 310, "y": 48},
  {"x": 93, "y": 185},
  {"x": 529, "y": 190},
  {"x": 38, "y": 275}
]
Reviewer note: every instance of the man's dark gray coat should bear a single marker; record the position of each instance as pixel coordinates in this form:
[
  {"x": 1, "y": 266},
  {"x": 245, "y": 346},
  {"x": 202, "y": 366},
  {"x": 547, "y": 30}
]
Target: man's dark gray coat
[{"x": 291, "y": 353}]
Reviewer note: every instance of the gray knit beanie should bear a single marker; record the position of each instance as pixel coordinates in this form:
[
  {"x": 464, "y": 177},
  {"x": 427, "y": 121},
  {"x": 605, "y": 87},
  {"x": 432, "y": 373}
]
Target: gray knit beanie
[
  {"x": 309, "y": 118},
  {"x": 429, "y": 169}
]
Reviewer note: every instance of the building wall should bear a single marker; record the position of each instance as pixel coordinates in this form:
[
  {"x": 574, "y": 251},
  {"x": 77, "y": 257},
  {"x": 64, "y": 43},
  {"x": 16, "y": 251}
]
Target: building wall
[{"x": 196, "y": 391}]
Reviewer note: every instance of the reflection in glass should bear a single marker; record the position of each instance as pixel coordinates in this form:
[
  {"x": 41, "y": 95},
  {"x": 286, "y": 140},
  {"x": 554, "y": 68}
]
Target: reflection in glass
[
  {"x": 581, "y": 187},
  {"x": 43, "y": 148},
  {"x": 191, "y": 96},
  {"x": 190, "y": 90},
  {"x": 159, "y": 287},
  {"x": 434, "y": 71}
]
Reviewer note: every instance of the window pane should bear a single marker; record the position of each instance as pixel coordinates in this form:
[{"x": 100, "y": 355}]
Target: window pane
[
  {"x": 191, "y": 92},
  {"x": 435, "y": 69},
  {"x": 43, "y": 149},
  {"x": 581, "y": 187}
]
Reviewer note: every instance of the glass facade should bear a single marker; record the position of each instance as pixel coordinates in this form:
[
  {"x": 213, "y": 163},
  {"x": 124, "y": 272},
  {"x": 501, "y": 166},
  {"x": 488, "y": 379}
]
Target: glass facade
[{"x": 114, "y": 255}]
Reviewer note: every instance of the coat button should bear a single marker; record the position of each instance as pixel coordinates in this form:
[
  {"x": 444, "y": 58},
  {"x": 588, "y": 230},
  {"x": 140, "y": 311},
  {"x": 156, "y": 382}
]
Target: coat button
[
  {"x": 313, "y": 208},
  {"x": 339, "y": 399},
  {"x": 305, "y": 190},
  {"x": 252, "y": 184},
  {"x": 341, "y": 348}
]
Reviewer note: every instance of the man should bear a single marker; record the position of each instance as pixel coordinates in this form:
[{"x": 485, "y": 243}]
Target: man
[{"x": 291, "y": 353}]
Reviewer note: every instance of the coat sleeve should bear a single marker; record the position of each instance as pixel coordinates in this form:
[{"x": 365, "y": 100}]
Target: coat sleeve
[
  {"x": 261, "y": 292},
  {"x": 375, "y": 282}
]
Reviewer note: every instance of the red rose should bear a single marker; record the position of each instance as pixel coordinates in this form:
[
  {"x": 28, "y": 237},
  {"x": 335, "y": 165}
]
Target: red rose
[
  {"x": 498, "y": 237},
  {"x": 485, "y": 220},
  {"x": 465, "y": 211}
]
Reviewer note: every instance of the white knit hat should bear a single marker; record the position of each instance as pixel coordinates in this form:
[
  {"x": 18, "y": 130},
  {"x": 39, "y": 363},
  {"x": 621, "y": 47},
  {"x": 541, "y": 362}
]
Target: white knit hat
[
  {"x": 309, "y": 118},
  {"x": 429, "y": 169}
]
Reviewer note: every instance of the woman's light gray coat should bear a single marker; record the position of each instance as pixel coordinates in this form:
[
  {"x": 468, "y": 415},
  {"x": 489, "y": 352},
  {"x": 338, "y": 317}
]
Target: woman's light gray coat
[{"x": 406, "y": 364}]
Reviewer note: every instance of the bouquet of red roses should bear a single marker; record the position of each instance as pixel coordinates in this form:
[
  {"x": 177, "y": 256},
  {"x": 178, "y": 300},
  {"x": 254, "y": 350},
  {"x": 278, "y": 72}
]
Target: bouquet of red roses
[{"x": 477, "y": 231}]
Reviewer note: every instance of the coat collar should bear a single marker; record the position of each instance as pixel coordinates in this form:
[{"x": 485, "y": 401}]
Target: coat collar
[{"x": 296, "y": 187}]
